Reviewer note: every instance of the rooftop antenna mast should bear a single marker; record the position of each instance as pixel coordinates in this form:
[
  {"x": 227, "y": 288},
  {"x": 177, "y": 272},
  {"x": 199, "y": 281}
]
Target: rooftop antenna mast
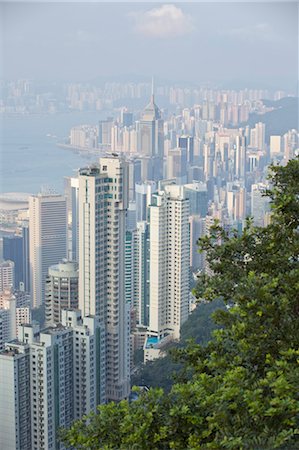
[{"x": 152, "y": 96}]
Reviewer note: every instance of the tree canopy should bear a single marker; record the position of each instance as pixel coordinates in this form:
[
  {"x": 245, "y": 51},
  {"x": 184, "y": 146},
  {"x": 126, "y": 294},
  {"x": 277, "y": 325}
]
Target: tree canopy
[{"x": 243, "y": 389}]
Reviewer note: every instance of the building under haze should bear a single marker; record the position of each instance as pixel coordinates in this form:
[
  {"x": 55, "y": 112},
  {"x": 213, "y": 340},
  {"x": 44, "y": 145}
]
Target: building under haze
[
  {"x": 48, "y": 239},
  {"x": 151, "y": 130}
]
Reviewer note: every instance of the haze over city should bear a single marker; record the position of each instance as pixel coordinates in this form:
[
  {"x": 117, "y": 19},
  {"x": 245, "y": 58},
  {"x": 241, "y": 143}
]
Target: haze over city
[{"x": 232, "y": 44}]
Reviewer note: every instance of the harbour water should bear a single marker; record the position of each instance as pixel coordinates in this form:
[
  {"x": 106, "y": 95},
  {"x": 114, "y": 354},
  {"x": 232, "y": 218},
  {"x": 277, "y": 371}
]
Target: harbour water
[{"x": 29, "y": 156}]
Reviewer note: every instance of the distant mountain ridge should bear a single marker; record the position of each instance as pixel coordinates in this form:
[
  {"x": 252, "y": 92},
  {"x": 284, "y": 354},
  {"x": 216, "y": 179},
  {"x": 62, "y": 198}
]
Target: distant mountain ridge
[{"x": 282, "y": 119}]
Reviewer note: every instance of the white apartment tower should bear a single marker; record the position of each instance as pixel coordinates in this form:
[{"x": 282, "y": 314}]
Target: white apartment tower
[
  {"x": 169, "y": 262},
  {"x": 103, "y": 202},
  {"x": 48, "y": 379},
  {"x": 15, "y": 414},
  {"x": 48, "y": 239}
]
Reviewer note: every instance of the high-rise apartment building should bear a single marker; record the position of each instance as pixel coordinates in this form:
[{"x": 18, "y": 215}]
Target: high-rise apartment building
[
  {"x": 48, "y": 379},
  {"x": 48, "y": 239},
  {"x": 141, "y": 273},
  {"x": 169, "y": 261},
  {"x": 7, "y": 274},
  {"x": 103, "y": 202},
  {"x": 15, "y": 414},
  {"x": 62, "y": 290},
  {"x": 14, "y": 311}
]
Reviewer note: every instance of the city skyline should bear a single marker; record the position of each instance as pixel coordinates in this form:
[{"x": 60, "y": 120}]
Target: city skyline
[{"x": 149, "y": 154}]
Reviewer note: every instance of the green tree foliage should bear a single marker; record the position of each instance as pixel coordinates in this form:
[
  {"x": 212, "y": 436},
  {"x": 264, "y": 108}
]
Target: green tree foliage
[
  {"x": 162, "y": 372},
  {"x": 243, "y": 391}
]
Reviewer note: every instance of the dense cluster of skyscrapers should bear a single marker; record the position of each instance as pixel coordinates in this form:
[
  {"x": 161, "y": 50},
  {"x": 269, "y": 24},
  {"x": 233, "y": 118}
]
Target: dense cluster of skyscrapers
[{"x": 112, "y": 260}]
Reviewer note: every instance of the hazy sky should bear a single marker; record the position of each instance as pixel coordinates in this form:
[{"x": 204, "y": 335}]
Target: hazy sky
[{"x": 251, "y": 43}]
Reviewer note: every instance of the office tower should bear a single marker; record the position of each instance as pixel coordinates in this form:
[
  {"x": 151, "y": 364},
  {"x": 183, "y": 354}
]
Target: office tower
[
  {"x": 169, "y": 262},
  {"x": 260, "y": 206},
  {"x": 134, "y": 176},
  {"x": 143, "y": 195},
  {"x": 240, "y": 157},
  {"x": 187, "y": 142},
  {"x": 105, "y": 127},
  {"x": 197, "y": 230},
  {"x": 26, "y": 258},
  {"x": 290, "y": 144},
  {"x": 103, "y": 202},
  {"x": 151, "y": 168},
  {"x": 131, "y": 216},
  {"x": 126, "y": 118},
  {"x": 177, "y": 165},
  {"x": 7, "y": 274},
  {"x": 62, "y": 291},
  {"x": 236, "y": 201},
  {"x": 197, "y": 194},
  {"x": 13, "y": 251},
  {"x": 275, "y": 145},
  {"x": 15, "y": 413},
  {"x": 257, "y": 136},
  {"x": 57, "y": 377},
  {"x": 151, "y": 130},
  {"x": 48, "y": 239}
]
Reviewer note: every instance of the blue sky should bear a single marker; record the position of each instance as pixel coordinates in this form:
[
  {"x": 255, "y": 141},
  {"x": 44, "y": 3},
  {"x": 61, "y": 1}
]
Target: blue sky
[{"x": 241, "y": 43}]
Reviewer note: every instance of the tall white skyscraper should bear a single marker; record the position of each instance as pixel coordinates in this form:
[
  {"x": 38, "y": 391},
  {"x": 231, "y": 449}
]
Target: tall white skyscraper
[
  {"x": 103, "y": 202},
  {"x": 48, "y": 239},
  {"x": 169, "y": 262}
]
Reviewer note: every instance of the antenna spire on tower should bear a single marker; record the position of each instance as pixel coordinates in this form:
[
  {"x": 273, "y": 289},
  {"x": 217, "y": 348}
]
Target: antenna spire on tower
[{"x": 152, "y": 96}]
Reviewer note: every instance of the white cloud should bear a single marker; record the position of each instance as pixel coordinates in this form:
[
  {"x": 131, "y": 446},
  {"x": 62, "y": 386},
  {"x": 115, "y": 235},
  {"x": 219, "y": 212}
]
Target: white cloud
[{"x": 166, "y": 21}]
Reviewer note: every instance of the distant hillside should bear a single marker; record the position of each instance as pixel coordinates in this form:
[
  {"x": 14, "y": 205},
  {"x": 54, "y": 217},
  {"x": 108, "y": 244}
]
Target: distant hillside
[{"x": 280, "y": 120}]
